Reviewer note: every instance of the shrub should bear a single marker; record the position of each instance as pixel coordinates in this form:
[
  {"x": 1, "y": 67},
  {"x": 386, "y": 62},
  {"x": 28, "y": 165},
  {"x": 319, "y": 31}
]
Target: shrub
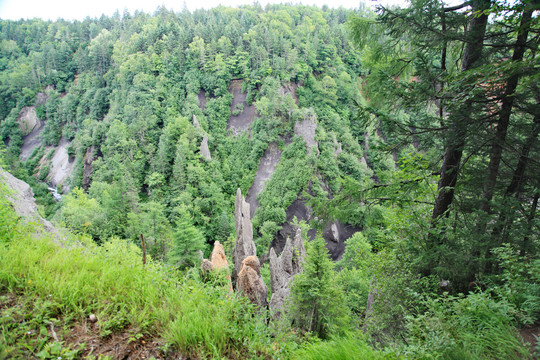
[{"x": 465, "y": 327}]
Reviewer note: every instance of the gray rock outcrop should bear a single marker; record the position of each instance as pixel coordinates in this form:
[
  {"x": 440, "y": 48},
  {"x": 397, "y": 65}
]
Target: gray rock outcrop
[
  {"x": 88, "y": 169},
  {"x": 28, "y": 120},
  {"x": 283, "y": 269},
  {"x": 250, "y": 282},
  {"x": 244, "y": 246},
  {"x": 247, "y": 269},
  {"x": 306, "y": 129},
  {"x": 22, "y": 199},
  {"x": 61, "y": 166},
  {"x": 205, "y": 151}
]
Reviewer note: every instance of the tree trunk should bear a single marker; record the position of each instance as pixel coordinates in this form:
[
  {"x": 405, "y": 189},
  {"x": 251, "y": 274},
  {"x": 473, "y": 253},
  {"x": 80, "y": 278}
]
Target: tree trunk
[
  {"x": 504, "y": 117},
  {"x": 514, "y": 188},
  {"x": 459, "y": 121}
]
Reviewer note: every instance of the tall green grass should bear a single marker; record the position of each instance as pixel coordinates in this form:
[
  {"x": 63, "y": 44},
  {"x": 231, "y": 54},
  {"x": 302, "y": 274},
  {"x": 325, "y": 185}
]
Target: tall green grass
[
  {"x": 465, "y": 327},
  {"x": 345, "y": 348},
  {"x": 81, "y": 278}
]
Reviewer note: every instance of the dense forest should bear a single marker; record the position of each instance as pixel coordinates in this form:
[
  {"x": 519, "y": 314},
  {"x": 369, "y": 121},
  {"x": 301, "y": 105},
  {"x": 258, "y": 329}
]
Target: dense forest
[{"x": 400, "y": 146}]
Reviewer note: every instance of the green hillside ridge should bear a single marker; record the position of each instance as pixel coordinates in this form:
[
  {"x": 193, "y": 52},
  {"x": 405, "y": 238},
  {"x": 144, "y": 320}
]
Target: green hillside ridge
[{"x": 402, "y": 142}]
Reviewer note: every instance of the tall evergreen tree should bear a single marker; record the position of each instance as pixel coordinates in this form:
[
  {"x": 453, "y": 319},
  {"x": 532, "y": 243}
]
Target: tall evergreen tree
[
  {"x": 317, "y": 301},
  {"x": 187, "y": 242}
]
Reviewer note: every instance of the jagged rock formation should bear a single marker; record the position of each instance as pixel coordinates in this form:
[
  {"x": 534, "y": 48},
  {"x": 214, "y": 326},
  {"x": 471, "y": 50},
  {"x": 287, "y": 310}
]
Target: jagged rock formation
[
  {"x": 24, "y": 204},
  {"x": 283, "y": 269},
  {"x": 205, "y": 151},
  {"x": 218, "y": 258},
  {"x": 247, "y": 273},
  {"x": 244, "y": 245},
  {"x": 218, "y": 262},
  {"x": 250, "y": 282}
]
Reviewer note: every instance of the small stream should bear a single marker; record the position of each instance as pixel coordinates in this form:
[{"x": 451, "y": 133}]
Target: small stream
[{"x": 55, "y": 194}]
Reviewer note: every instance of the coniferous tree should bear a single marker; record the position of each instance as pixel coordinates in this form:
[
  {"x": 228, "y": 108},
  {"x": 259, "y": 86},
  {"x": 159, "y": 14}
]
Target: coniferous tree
[
  {"x": 187, "y": 242},
  {"x": 317, "y": 301}
]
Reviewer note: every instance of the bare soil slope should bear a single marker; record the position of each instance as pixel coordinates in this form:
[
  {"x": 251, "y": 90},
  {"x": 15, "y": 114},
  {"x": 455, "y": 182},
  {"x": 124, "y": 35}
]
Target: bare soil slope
[
  {"x": 242, "y": 122},
  {"x": 266, "y": 168}
]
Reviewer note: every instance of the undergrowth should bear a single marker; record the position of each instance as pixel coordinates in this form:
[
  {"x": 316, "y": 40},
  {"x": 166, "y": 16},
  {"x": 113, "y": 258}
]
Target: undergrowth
[
  {"x": 48, "y": 289},
  {"x": 64, "y": 284}
]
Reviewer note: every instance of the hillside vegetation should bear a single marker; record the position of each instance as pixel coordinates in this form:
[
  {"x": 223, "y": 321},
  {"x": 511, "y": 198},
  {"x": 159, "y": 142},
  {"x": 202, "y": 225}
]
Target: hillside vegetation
[{"x": 403, "y": 144}]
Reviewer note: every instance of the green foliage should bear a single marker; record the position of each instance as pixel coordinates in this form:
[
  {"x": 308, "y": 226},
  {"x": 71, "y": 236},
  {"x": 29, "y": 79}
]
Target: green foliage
[
  {"x": 65, "y": 284},
  {"x": 187, "y": 242},
  {"x": 25, "y": 324},
  {"x": 356, "y": 273},
  {"x": 83, "y": 214},
  {"x": 344, "y": 348},
  {"x": 470, "y": 327},
  {"x": 317, "y": 300},
  {"x": 519, "y": 282},
  {"x": 130, "y": 87},
  {"x": 150, "y": 221}
]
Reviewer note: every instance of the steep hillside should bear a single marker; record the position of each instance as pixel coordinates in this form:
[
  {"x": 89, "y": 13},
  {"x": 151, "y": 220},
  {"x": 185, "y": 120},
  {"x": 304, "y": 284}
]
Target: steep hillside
[{"x": 387, "y": 162}]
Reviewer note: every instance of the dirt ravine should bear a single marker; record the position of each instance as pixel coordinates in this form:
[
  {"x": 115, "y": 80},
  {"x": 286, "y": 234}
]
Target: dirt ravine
[
  {"x": 237, "y": 124},
  {"x": 31, "y": 142},
  {"x": 306, "y": 129},
  {"x": 266, "y": 169}
]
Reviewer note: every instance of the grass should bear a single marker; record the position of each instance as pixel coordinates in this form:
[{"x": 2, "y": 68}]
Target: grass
[
  {"x": 48, "y": 292},
  {"x": 198, "y": 319},
  {"x": 345, "y": 348}
]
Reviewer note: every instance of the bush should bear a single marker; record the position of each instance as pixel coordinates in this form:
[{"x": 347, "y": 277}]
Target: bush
[
  {"x": 519, "y": 282},
  {"x": 346, "y": 348},
  {"x": 470, "y": 327},
  {"x": 81, "y": 278}
]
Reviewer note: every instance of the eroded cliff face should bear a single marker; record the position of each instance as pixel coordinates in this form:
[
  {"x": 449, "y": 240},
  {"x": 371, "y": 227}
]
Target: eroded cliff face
[
  {"x": 335, "y": 233},
  {"x": 283, "y": 269},
  {"x": 28, "y": 120},
  {"x": 247, "y": 277},
  {"x": 60, "y": 165},
  {"x": 21, "y": 196},
  {"x": 242, "y": 114},
  {"x": 266, "y": 169}
]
